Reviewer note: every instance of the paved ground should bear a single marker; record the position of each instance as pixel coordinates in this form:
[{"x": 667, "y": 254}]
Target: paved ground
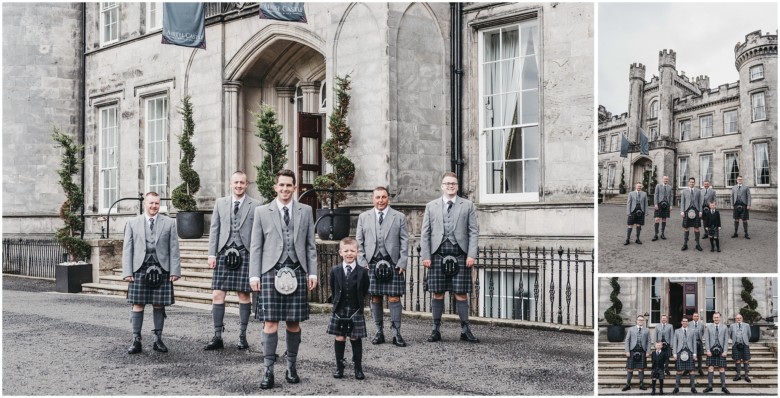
[
  {"x": 74, "y": 344},
  {"x": 755, "y": 255}
]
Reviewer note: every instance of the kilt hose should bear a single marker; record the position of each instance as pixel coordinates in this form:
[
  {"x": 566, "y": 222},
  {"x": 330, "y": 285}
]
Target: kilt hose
[
  {"x": 661, "y": 213},
  {"x": 744, "y": 216},
  {"x": 743, "y": 354},
  {"x": 681, "y": 365},
  {"x": 358, "y": 322},
  {"x": 716, "y": 361},
  {"x": 393, "y": 287},
  {"x": 440, "y": 283},
  {"x": 691, "y": 222},
  {"x": 139, "y": 293},
  {"x": 631, "y": 364},
  {"x": 274, "y": 306},
  {"x": 635, "y": 219},
  {"x": 232, "y": 280}
]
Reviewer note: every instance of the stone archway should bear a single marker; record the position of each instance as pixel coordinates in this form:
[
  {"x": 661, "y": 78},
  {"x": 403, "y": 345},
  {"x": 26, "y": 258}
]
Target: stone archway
[{"x": 639, "y": 167}]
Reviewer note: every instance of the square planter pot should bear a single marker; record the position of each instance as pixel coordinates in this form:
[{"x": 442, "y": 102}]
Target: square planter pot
[{"x": 69, "y": 277}]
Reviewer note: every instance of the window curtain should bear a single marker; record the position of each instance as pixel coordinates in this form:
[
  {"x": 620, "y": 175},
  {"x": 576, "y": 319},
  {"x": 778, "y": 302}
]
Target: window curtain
[
  {"x": 683, "y": 172},
  {"x": 762, "y": 163},
  {"x": 706, "y": 168}
]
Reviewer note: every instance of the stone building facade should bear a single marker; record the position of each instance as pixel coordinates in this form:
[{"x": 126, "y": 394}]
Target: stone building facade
[
  {"x": 709, "y": 133},
  {"x": 527, "y": 73},
  {"x": 679, "y": 296}
]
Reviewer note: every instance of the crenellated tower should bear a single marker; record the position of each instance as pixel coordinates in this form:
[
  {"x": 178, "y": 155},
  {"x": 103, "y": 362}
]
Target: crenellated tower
[
  {"x": 667, "y": 72},
  {"x": 636, "y": 77}
]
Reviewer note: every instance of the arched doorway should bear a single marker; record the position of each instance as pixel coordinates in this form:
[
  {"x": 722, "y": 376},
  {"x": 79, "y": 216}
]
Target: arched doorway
[{"x": 642, "y": 165}]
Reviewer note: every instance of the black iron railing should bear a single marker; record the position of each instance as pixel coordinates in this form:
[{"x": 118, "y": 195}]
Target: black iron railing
[
  {"x": 32, "y": 257},
  {"x": 540, "y": 284}
]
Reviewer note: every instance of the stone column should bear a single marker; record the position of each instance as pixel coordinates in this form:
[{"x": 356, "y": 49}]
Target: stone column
[
  {"x": 231, "y": 136},
  {"x": 286, "y": 117},
  {"x": 311, "y": 96}
]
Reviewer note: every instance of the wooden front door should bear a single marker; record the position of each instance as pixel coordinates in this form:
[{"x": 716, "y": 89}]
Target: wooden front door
[{"x": 309, "y": 156}]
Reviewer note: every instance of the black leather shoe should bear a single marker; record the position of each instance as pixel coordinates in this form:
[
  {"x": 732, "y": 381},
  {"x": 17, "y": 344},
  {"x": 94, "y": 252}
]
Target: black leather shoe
[
  {"x": 638, "y": 242},
  {"x": 655, "y": 238},
  {"x": 684, "y": 248},
  {"x": 468, "y": 336},
  {"x": 398, "y": 341},
  {"x": 159, "y": 346},
  {"x": 628, "y": 242},
  {"x": 747, "y": 379},
  {"x": 668, "y": 373},
  {"x": 693, "y": 390},
  {"x": 725, "y": 390},
  {"x": 642, "y": 386},
  {"x": 747, "y": 236},
  {"x": 676, "y": 390},
  {"x": 701, "y": 373},
  {"x": 435, "y": 336},
  {"x": 698, "y": 247},
  {"x": 291, "y": 376},
  {"x": 712, "y": 250},
  {"x": 705, "y": 236},
  {"x": 242, "y": 343},
  {"x": 626, "y": 388},
  {"x": 708, "y": 389},
  {"x": 339, "y": 373},
  {"x": 135, "y": 348},
  {"x": 686, "y": 373},
  {"x": 379, "y": 338},
  {"x": 268, "y": 380},
  {"x": 737, "y": 378},
  {"x": 663, "y": 236},
  {"x": 359, "y": 371},
  {"x": 215, "y": 344},
  {"x": 735, "y": 235}
]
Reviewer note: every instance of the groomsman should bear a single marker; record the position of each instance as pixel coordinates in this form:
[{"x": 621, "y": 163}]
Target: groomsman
[
  {"x": 690, "y": 211},
  {"x": 741, "y": 200},
  {"x": 636, "y": 209},
  {"x": 382, "y": 239},
  {"x": 717, "y": 342},
  {"x": 707, "y": 196},
  {"x": 683, "y": 352},
  {"x": 740, "y": 346},
  {"x": 698, "y": 327},
  {"x": 662, "y": 199},
  {"x": 637, "y": 348}
]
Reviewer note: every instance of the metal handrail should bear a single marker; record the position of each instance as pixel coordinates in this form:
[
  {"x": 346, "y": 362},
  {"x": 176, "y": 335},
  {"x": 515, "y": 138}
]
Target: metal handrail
[
  {"x": 140, "y": 200},
  {"x": 333, "y": 191}
]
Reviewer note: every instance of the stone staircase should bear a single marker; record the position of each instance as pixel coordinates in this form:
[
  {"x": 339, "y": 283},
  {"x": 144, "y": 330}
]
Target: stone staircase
[
  {"x": 619, "y": 199},
  {"x": 763, "y": 373},
  {"x": 194, "y": 285}
]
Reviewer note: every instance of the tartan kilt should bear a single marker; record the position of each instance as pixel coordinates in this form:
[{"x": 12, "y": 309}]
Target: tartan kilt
[
  {"x": 713, "y": 232},
  {"x": 275, "y": 307},
  {"x": 745, "y": 214},
  {"x": 718, "y": 362},
  {"x": 681, "y": 365},
  {"x": 661, "y": 213},
  {"x": 630, "y": 364},
  {"x": 358, "y": 323},
  {"x": 737, "y": 354},
  {"x": 632, "y": 219},
  {"x": 231, "y": 280},
  {"x": 393, "y": 287},
  {"x": 691, "y": 223},
  {"x": 139, "y": 293},
  {"x": 438, "y": 282}
]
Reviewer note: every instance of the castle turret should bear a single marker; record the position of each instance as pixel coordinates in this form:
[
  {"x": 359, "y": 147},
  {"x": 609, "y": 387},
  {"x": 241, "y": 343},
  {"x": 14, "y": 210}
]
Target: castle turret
[
  {"x": 667, "y": 69},
  {"x": 636, "y": 78},
  {"x": 703, "y": 82}
]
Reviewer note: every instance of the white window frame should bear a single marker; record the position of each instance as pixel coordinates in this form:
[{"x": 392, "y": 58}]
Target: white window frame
[
  {"x": 705, "y": 126},
  {"x": 758, "y": 106},
  {"x": 682, "y": 180},
  {"x": 611, "y": 173},
  {"x": 726, "y": 168},
  {"x": 685, "y": 126},
  {"x": 602, "y": 144},
  {"x": 506, "y": 299},
  {"x": 485, "y": 166},
  {"x": 614, "y": 142},
  {"x": 727, "y": 124},
  {"x": 108, "y": 149},
  {"x": 154, "y": 22},
  {"x": 109, "y": 10},
  {"x": 703, "y": 173},
  {"x": 323, "y": 97},
  {"x": 151, "y": 127},
  {"x": 655, "y": 106},
  {"x": 756, "y": 169},
  {"x": 756, "y": 72},
  {"x": 654, "y": 135}
]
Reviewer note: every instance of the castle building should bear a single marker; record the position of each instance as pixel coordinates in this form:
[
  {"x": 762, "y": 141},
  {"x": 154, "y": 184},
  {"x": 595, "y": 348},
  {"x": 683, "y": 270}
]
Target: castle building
[{"x": 694, "y": 130}]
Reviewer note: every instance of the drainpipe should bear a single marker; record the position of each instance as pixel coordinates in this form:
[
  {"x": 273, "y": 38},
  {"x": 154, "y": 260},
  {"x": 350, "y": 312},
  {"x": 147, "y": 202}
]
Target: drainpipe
[
  {"x": 453, "y": 160},
  {"x": 82, "y": 93},
  {"x": 457, "y": 133}
]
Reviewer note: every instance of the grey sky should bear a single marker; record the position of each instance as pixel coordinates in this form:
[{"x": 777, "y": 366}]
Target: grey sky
[{"x": 702, "y": 34}]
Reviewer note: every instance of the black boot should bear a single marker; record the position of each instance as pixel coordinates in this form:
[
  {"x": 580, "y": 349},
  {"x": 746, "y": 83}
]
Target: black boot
[
  {"x": 712, "y": 245},
  {"x": 158, "y": 343},
  {"x": 717, "y": 245},
  {"x": 339, "y": 347},
  {"x": 357, "y": 358},
  {"x": 135, "y": 347},
  {"x": 655, "y": 237}
]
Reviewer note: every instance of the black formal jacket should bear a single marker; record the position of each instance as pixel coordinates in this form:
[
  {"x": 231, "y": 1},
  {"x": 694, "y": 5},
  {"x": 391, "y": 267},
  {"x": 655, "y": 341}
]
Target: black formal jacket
[
  {"x": 714, "y": 219},
  {"x": 357, "y": 286},
  {"x": 659, "y": 359}
]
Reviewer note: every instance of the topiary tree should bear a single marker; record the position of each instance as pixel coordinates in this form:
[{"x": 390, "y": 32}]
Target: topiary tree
[
  {"x": 269, "y": 132},
  {"x": 622, "y": 186},
  {"x": 748, "y": 312},
  {"x": 183, "y": 195},
  {"x": 612, "y": 314},
  {"x": 69, "y": 236},
  {"x": 335, "y": 147},
  {"x": 651, "y": 187}
]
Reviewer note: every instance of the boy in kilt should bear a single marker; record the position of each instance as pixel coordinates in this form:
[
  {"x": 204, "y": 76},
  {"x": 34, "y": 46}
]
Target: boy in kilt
[
  {"x": 449, "y": 230},
  {"x": 659, "y": 357},
  {"x": 690, "y": 211},
  {"x": 684, "y": 353},
  {"x": 713, "y": 226},
  {"x": 664, "y": 333},
  {"x": 707, "y": 196},
  {"x": 151, "y": 263},
  {"x": 741, "y": 200},
  {"x": 636, "y": 208},
  {"x": 740, "y": 346},
  {"x": 349, "y": 286},
  {"x": 662, "y": 202},
  {"x": 717, "y": 342},
  {"x": 637, "y": 348},
  {"x": 282, "y": 265},
  {"x": 230, "y": 237},
  {"x": 381, "y": 235}
]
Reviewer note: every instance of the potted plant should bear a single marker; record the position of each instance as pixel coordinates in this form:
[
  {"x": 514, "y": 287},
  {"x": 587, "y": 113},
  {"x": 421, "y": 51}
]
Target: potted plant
[
  {"x": 274, "y": 148},
  {"x": 600, "y": 198},
  {"x": 333, "y": 150},
  {"x": 651, "y": 187},
  {"x": 615, "y": 330},
  {"x": 189, "y": 221},
  {"x": 748, "y": 312},
  {"x": 622, "y": 186},
  {"x": 70, "y": 274}
]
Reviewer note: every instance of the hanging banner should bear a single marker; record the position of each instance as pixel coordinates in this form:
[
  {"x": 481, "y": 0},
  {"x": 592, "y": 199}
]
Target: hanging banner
[
  {"x": 291, "y": 12},
  {"x": 184, "y": 24}
]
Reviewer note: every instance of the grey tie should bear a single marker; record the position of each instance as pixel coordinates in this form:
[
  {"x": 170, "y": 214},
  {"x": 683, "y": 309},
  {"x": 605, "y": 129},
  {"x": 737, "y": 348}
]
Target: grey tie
[
  {"x": 349, "y": 270},
  {"x": 716, "y": 330},
  {"x": 151, "y": 224},
  {"x": 449, "y": 206},
  {"x": 286, "y": 216},
  {"x": 235, "y": 207},
  {"x": 381, "y": 217}
]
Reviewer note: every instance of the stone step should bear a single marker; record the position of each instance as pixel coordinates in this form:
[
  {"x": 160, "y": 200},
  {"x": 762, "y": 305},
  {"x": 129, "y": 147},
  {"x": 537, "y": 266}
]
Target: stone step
[
  {"x": 754, "y": 360},
  {"x": 121, "y": 290},
  {"x": 734, "y": 390},
  {"x": 754, "y": 373},
  {"x": 189, "y": 286},
  {"x": 756, "y": 382},
  {"x": 753, "y": 353}
]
